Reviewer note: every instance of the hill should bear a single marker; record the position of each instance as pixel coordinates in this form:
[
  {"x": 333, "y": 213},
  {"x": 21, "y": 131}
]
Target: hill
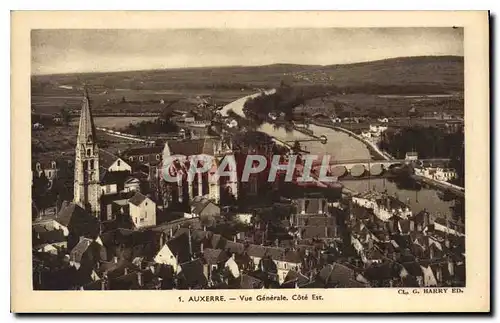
[{"x": 433, "y": 74}]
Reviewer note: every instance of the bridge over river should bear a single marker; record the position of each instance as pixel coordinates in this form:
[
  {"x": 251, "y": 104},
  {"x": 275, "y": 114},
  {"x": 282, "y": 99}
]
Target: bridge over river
[{"x": 358, "y": 167}]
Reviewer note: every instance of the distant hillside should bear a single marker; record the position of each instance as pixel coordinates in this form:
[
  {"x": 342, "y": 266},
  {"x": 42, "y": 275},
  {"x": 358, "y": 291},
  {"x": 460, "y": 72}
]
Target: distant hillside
[{"x": 443, "y": 71}]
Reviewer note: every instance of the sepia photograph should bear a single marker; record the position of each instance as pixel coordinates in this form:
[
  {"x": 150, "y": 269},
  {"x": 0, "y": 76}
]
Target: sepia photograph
[{"x": 276, "y": 159}]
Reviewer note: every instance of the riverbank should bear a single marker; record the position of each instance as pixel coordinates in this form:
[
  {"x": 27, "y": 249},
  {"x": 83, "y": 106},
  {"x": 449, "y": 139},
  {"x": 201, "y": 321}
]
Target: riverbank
[
  {"x": 374, "y": 150},
  {"x": 443, "y": 186}
]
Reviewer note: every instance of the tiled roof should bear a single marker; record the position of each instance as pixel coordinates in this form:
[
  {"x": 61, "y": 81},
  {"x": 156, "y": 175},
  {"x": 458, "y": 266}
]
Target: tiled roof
[
  {"x": 192, "y": 147},
  {"x": 77, "y": 252},
  {"x": 78, "y": 220},
  {"x": 305, "y": 220},
  {"x": 193, "y": 274},
  {"x": 256, "y": 251},
  {"x": 381, "y": 272},
  {"x": 361, "y": 213},
  {"x": 338, "y": 275},
  {"x": 143, "y": 151},
  {"x": 393, "y": 202},
  {"x": 107, "y": 177},
  {"x": 214, "y": 256},
  {"x": 42, "y": 237},
  {"x": 317, "y": 232},
  {"x": 106, "y": 158},
  {"x": 295, "y": 276},
  {"x": 404, "y": 225},
  {"x": 250, "y": 282},
  {"x": 137, "y": 199}
]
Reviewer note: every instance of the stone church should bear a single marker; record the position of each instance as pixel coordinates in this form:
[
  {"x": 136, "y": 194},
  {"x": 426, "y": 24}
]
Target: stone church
[{"x": 87, "y": 189}]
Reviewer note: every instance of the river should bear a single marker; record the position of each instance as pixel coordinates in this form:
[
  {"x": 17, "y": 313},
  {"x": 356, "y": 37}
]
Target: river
[{"x": 341, "y": 146}]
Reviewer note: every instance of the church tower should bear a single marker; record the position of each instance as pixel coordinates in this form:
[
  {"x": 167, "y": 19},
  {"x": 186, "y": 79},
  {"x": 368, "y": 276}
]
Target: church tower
[{"x": 87, "y": 187}]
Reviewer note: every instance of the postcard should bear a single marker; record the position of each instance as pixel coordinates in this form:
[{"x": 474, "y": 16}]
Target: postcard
[{"x": 319, "y": 162}]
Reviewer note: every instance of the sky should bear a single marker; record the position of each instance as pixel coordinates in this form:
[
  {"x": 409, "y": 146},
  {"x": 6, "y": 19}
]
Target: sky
[{"x": 77, "y": 50}]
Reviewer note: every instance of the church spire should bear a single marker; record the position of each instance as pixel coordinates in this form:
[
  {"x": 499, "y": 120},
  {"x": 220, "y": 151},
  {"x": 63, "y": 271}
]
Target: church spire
[
  {"x": 87, "y": 190},
  {"x": 86, "y": 129}
]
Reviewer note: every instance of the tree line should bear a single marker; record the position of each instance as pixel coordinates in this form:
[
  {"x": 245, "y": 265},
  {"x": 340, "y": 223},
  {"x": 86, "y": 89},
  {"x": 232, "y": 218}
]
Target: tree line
[{"x": 428, "y": 142}]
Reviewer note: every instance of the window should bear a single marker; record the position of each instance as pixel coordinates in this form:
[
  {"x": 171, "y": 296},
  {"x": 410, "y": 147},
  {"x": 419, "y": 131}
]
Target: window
[
  {"x": 141, "y": 158},
  {"x": 157, "y": 157},
  {"x": 38, "y": 166},
  {"x": 88, "y": 152},
  {"x": 50, "y": 174},
  {"x": 135, "y": 220},
  {"x": 118, "y": 163},
  {"x": 53, "y": 164},
  {"x": 131, "y": 158},
  {"x": 91, "y": 164}
]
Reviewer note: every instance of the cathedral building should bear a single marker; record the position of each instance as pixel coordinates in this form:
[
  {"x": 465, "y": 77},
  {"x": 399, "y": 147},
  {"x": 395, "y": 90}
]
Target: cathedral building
[
  {"x": 87, "y": 189},
  {"x": 208, "y": 185}
]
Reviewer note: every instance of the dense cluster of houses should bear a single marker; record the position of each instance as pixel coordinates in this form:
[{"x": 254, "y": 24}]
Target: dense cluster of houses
[{"x": 121, "y": 231}]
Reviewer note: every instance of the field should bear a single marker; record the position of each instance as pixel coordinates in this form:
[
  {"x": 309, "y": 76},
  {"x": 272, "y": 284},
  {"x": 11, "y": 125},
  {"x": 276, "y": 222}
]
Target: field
[
  {"x": 142, "y": 91},
  {"x": 114, "y": 122},
  {"x": 386, "y": 87}
]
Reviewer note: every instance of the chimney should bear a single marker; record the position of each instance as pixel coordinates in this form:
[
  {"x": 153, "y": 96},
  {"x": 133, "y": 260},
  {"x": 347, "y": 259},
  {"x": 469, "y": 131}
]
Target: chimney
[
  {"x": 162, "y": 239},
  {"x": 190, "y": 243},
  {"x": 125, "y": 271},
  {"x": 115, "y": 259},
  {"x": 201, "y": 247},
  {"x": 139, "y": 278},
  {"x": 103, "y": 283}
]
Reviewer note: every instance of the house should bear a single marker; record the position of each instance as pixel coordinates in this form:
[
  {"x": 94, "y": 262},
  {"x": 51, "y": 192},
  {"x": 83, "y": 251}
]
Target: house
[
  {"x": 112, "y": 163},
  {"x": 340, "y": 276},
  {"x": 84, "y": 257},
  {"x": 113, "y": 182},
  {"x": 145, "y": 159},
  {"x": 275, "y": 260},
  {"x": 411, "y": 156},
  {"x": 177, "y": 250},
  {"x": 383, "y": 205},
  {"x": 245, "y": 218},
  {"x": 142, "y": 211},
  {"x": 38, "y": 126},
  {"x": 128, "y": 244},
  {"x": 77, "y": 222},
  {"x": 192, "y": 275},
  {"x": 205, "y": 209},
  {"x": 53, "y": 241}
]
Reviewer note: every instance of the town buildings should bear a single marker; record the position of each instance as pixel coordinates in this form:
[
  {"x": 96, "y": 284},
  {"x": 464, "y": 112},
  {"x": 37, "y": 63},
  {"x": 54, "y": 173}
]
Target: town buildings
[{"x": 127, "y": 228}]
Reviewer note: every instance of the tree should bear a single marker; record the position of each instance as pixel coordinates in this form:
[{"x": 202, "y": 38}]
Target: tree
[
  {"x": 65, "y": 116},
  {"x": 39, "y": 191}
]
